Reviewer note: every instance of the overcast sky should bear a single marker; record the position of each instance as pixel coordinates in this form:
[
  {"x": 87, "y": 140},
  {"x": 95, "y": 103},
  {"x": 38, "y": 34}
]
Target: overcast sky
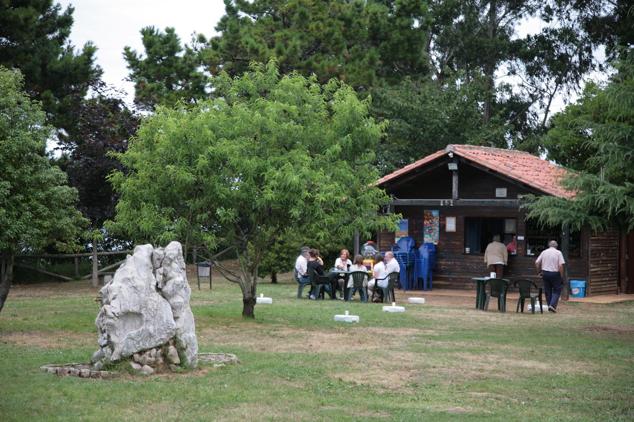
[{"x": 113, "y": 24}]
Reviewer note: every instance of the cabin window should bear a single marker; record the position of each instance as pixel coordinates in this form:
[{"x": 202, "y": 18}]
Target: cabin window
[
  {"x": 480, "y": 231},
  {"x": 538, "y": 236}
]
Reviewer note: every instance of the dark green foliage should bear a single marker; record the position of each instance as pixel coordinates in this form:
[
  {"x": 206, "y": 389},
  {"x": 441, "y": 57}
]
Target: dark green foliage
[
  {"x": 423, "y": 118},
  {"x": 168, "y": 73},
  {"x": 360, "y": 43},
  {"x": 103, "y": 125},
  {"x": 34, "y": 38},
  {"x": 596, "y": 137}
]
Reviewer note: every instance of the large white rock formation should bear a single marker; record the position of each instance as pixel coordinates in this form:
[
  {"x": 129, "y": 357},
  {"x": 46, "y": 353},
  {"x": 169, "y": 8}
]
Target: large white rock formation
[{"x": 145, "y": 311}]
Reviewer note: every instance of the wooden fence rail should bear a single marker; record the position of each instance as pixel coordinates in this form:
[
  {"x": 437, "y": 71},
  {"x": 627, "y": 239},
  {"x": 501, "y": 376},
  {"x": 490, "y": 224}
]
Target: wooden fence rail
[{"x": 93, "y": 275}]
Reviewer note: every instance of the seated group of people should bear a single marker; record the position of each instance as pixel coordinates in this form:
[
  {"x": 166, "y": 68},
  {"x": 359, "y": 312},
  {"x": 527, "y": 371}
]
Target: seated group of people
[{"x": 309, "y": 262}]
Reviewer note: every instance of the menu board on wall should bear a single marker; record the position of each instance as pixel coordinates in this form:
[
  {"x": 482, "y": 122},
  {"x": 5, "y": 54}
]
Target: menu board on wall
[
  {"x": 431, "y": 220},
  {"x": 403, "y": 229}
]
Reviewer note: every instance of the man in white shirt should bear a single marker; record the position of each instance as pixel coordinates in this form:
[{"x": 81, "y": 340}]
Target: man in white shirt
[
  {"x": 301, "y": 270},
  {"x": 550, "y": 265},
  {"x": 391, "y": 266}
]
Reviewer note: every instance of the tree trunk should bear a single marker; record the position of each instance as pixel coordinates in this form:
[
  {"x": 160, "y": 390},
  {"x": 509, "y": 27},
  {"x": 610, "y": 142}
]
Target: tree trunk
[
  {"x": 6, "y": 277},
  {"x": 489, "y": 67},
  {"x": 248, "y": 307},
  {"x": 273, "y": 277}
]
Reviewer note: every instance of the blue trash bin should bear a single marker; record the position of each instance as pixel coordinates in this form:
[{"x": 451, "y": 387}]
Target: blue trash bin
[{"x": 577, "y": 288}]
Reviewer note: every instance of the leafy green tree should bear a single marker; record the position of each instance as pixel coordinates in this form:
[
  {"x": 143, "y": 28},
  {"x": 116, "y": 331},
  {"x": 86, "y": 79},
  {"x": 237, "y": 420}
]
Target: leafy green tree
[
  {"x": 34, "y": 38},
  {"x": 168, "y": 73},
  {"x": 272, "y": 157},
  {"x": 596, "y": 134},
  {"x": 37, "y": 208}
]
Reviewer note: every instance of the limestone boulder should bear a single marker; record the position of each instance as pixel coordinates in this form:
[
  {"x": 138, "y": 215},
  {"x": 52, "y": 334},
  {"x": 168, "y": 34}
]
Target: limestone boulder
[{"x": 146, "y": 306}]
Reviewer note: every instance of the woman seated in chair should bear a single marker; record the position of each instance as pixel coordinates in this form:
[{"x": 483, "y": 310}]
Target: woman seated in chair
[
  {"x": 342, "y": 263},
  {"x": 358, "y": 266},
  {"x": 315, "y": 268},
  {"x": 379, "y": 272}
]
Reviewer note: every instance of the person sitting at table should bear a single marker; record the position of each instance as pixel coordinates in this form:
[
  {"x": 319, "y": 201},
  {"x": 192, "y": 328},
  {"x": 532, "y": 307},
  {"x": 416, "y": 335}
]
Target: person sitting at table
[
  {"x": 315, "y": 267},
  {"x": 301, "y": 265},
  {"x": 379, "y": 272},
  {"x": 342, "y": 263},
  {"x": 358, "y": 266},
  {"x": 391, "y": 265}
]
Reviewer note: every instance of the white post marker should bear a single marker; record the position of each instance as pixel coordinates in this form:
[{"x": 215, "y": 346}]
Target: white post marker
[
  {"x": 347, "y": 317},
  {"x": 416, "y": 300},
  {"x": 263, "y": 300},
  {"x": 393, "y": 308}
]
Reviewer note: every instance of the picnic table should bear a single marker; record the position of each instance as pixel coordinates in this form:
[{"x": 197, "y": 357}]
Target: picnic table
[
  {"x": 481, "y": 291},
  {"x": 335, "y": 274}
]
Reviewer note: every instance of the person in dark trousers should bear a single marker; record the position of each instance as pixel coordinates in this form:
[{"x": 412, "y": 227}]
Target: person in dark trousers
[{"x": 550, "y": 266}]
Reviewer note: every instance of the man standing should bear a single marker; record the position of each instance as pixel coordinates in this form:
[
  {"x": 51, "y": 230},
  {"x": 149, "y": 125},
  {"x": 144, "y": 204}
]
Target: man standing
[
  {"x": 496, "y": 256},
  {"x": 550, "y": 265},
  {"x": 301, "y": 270}
]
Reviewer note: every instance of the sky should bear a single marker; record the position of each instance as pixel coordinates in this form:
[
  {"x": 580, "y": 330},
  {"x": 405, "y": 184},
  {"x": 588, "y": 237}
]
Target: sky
[{"x": 113, "y": 24}]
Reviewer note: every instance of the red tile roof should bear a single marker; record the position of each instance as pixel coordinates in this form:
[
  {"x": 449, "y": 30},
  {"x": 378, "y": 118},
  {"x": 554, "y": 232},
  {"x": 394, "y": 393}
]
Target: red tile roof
[{"x": 519, "y": 165}]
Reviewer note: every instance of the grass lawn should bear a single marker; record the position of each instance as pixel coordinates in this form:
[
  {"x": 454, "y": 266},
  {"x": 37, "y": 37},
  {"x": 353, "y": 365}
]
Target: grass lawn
[{"x": 439, "y": 361}]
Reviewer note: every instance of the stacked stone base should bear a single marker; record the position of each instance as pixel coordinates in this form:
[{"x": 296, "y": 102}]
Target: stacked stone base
[{"x": 158, "y": 359}]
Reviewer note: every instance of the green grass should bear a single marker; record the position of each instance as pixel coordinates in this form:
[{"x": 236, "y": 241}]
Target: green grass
[{"x": 441, "y": 361}]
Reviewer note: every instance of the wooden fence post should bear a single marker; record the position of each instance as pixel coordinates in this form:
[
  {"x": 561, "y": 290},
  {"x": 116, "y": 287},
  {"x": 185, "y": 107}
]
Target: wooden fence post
[
  {"x": 95, "y": 265},
  {"x": 77, "y": 267}
]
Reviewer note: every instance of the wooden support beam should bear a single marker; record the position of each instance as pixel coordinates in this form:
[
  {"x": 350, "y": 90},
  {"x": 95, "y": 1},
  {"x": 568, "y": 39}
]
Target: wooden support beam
[
  {"x": 39, "y": 270},
  {"x": 565, "y": 248},
  {"x": 74, "y": 255},
  {"x": 104, "y": 269},
  {"x": 454, "y": 184},
  {"x": 504, "y": 203}
]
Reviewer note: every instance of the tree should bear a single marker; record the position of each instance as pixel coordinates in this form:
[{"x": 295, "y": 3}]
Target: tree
[
  {"x": 357, "y": 42},
  {"x": 423, "y": 118},
  {"x": 272, "y": 157},
  {"x": 597, "y": 134},
  {"x": 103, "y": 125},
  {"x": 36, "y": 206},
  {"x": 34, "y": 38},
  {"x": 168, "y": 73}
]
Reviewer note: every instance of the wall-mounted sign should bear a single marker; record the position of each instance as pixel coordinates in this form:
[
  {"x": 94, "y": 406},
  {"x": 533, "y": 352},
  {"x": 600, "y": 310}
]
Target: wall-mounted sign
[
  {"x": 510, "y": 225},
  {"x": 431, "y": 219},
  {"x": 500, "y": 192},
  {"x": 450, "y": 224}
]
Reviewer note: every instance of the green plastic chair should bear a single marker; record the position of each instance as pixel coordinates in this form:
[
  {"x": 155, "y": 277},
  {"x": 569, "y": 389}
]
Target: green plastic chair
[
  {"x": 388, "y": 292},
  {"x": 358, "y": 277},
  {"x": 497, "y": 288},
  {"x": 321, "y": 283},
  {"x": 525, "y": 288}
]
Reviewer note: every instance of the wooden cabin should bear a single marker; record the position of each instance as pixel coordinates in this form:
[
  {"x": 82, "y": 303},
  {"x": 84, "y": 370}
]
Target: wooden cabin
[{"x": 461, "y": 196}]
